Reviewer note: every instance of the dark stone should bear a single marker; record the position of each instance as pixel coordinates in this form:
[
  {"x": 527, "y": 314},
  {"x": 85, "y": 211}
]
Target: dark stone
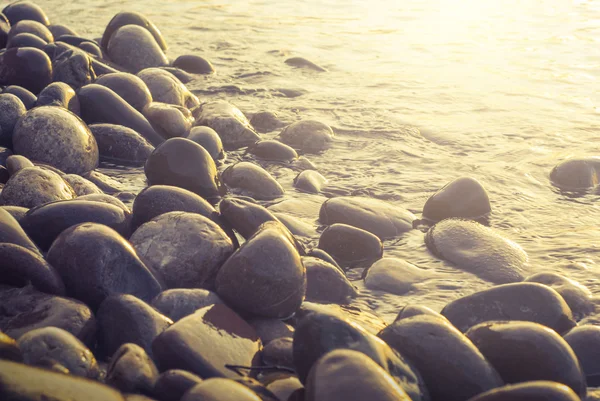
[
  {"x": 373, "y": 215},
  {"x": 4, "y": 175},
  {"x": 266, "y": 121},
  {"x": 129, "y": 87},
  {"x": 4, "y": 30},
  {"x": 112, "y": 266},
  {"x": 5, "y": 153},
  {"x": 283, "y": 386},
  {"x": 209, "y": 140},
  {"x": 350, "y": 246},
  {"x": 73, "y": 67},
  {"x": 525, "y": 351},
  {"x": 464, "y": 197},
  {"x": 134, "y": 48},
  {"x": 321, "y": 254},
  {"x": 22, "y": 382},
  {"x": 17, "y": 212},
  {"x": 252, "y": 180},
  {"x": 25, "y": 10},
  {"x": 27, "y": 67},
  {"x": 318, "y": 334},
  {"x": 219, "y": 389},
  {"x": 131, "y": 18},
  {"x": 52, "y": 343},
  {"x": 118, "y": 143},
  {"x": 183, "y": 163},
  {"x": 11, "y": 109},
  {"x": 416, "y": 310},
  {"x": 9, "y": 349},
  {"x": 279, "y": 352},
  {"x": 228, "y": 121},
  {"x": 576, "y": 295},
  {"x": 298, "y": 226},
  {"x": 452, "y": 367},
  {"x": 74, "y": 40},
  {"x": 326, "y": 283},
  {"x": 166, "y": 88},
  {"x": 18, "y": 265},
  {"x": 271, "y": 329},
  {"x": 26, "y": 40},
  {"x": 59, "y": 94},
  {"x": 181, "y": 75},
  {"x": 181, "y": 302},
  {"x": 585, "y": 342},
  {"x": 347, "y": 375},
  {"x": 310, "y": 181},
  {"x": 33, "y": 27},
  {"x": 245, "y": 217},
  {"x": 363, "y": 317},
  {"x": 132, "y": 370},
  {"x": 270, "y": 149},
  {"x": 173, "y": 384},
  {"x": 169, "y": 120},
  {"x": 25, "y": 309},
  {"x": 28, "y": 98},
  {"x": 519, "y": 301},
  {"x": 12, "y": 233},
  {"x": 35, "y": 186},
  {"x": 477, "y": 249},
  {"x": 59, "y": 30},
  {"x": 307, "y": 136},
  {"x": 100, "y": 104},
  {"x": 111, "y": 200},
  {"x": 265, "y": 276},
  {"x": 530, "y": 391},
  {"x": 301, "y": 62},
  {"x": 58, "y": 137},
  {"x": 203, "y": 343},
  {"x": 576, "y": 174},
  {"x": 194, "y": 64},
  {"x": 261, "y": 391},
  {"x": 91, "y": 48},
  {"x": 15, "y": 163},
  {"x": 45, "y": 223},
  {"x": 187, "y": 249}
]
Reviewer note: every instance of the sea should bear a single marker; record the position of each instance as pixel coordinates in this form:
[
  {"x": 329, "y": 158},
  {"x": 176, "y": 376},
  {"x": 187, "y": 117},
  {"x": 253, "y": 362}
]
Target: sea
[{"x": 418, "y": 94}]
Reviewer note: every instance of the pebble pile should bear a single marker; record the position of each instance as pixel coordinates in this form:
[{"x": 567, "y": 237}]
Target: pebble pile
[{"x": 197, "y": 292}]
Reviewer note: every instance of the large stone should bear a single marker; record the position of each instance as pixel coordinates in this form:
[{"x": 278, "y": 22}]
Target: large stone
[
  {"x": 585, "y": 342},
  {"x": 57, "y": 137},
  {"x": 307, "y": 136},
  {"x": 205, "y": 342},
  {"x": 519, "y": 301},
  {"x": 52, "y": 343},
  {"x": 265, "y": 276},
  {"x": 346, "y": 375},
  {"x": 169, "y": 120},
  {"x": 33, "y": 27},
  {"x": 120, "y": 144},
  {"x": 373, "y": 215},
  {"x": 129, "y": 87},
  {"x": 59, "y": 94},
  {"x": 183, "y": 163},
  {"x": 181, "y": 302},
  {"x": 112, "y": 266},
  {"x": 26, "y": 40},
  {"x": 131, "y": 18},
  {"x": 167, "y": 88},
  {"x": 464, "y": 197},
  {"x": 452, "y": 367},
  {"x": 24, "y": 309},
  {"x": 477, "y": 249},
  {"x": 82, "y": 186},
  {"x": 126, "y": 319},
  {"x": 27, "y": 67},
  {"x": 244, "y": 216},
  {"x": 350, "y": 246},
  {"x": 186, "y": 248},
  {"x": 35, "y": 186},
  {"x": 28, "y": 98},
  {"x": 73, "y": 67},
  {"x": 45, "y": 223},
  {"x": 393, "y": 275},
  {"x": 252, "y": 180},
  {"x": 134, "y": 48},
  {"x": 25, "y": 10},
  {"x": 525, "y": 351},
  {"x": 12, "y": 109},
  {"x": 22, "y": 382},
  {"x": 576, "y": 174},
  {"x": 230, "y": 123}
]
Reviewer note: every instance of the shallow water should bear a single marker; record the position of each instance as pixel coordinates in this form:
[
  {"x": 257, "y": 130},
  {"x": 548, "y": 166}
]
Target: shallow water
[{"x": 418, "y": 94}]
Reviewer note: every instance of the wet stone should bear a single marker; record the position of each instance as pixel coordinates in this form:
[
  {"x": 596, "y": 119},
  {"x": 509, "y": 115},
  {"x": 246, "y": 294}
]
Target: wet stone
[
  {"x": 209, "y": 140},
  {"x": 464, "y": 197},
  {"x": 173, "y": 384},
  {"x": 378, "y": 217},
  {"x": 135, "y": 49},
  {"x": 350, "y": 246},
  {"x": 129, "y": 87},
  {"x": 181, "y": 302},
  {"x": 266, "y": 121},
  {"x": 127, "y": 319},
  {"x": 26, "y": 40},
  {"x": 9, "y": 349},
  {"x": 279, "y": 352},
  {"x": 347, "y": 375},
  {"x": 576, "y": 174},
  {"x": 186, "y": 248},
  {"x": 364, "y": 318},
  {"x": 585, "y": 342},
  {"x": 16, "y": 384},
  {"x": 307, "y": 136},
  {"x": 395, "y": 276},
  {"x": 166, "y": 88},
  {"x": 244, "y": 216},
  {"x": 12, "y": 108},
  {"x": 25, "y": 10},
  {"x": 452, "y": 367},
  {"x": 131, "y": 18},
  {"x": 27, "y": 67},
  {"x": 28, "y": 98},
  {"x": 265, "y": 276},
  {"x": 59, "y": 30},
  {"x": 14, "y": 163},
  {"x": 25, "y": 309},
  {"x": 59, "y": 94},
  {"x": 131, "y": 370},
  {"x": 32, "y": 27},
  {"x": 252, "y": 180},
  {"x": 121, "y": 144},
  {"x": 326, "y": 283},
  {"x": 34, "y": 186},
  {"x": 204, "y": 342},
  {"x": 417, "y": 310},
  {"x": 73, "y": 67},
  {"x": 105, "y": 198},
  {"x": 194, "y": 64},
  {"x": 101, "y": 250},
  {"x": 81, "y": 186},
  {"x": 181, "y": 75},
  {"x": 218, "y": 389},
  {"x": 52, "y": 343},
  {"x": 270, "y": 149},
  {"x": 530, "y": 391},
  {"x": 271, "y": 329},
  {"x": 525, "y": 351},
  {"x": 310, "y": 181},
  {"x": 301, "y": 62},
  {"x": 477, "y": 249},
  {"x": 169, "y": 120}
]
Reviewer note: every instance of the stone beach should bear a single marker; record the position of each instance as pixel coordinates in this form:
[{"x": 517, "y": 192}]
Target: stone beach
[{"x": 192, "y": 289}]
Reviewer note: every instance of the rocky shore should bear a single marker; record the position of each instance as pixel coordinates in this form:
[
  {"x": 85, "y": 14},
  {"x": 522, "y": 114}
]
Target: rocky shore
[{"x": 192, "y": 290}]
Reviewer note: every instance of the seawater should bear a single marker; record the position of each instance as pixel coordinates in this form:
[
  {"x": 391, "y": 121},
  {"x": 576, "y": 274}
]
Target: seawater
[{"x": 419, "y": 93}]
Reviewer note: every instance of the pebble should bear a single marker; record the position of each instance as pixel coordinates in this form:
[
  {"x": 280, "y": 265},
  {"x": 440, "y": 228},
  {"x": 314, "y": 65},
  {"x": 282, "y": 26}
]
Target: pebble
[
  {"x": 181, "y": 302},
  {"x": 25, "y": 10},
  {"x": 167, "y": 88},
  {"x": 28, "y": 98},
  {"x": 35, "y": 186},
  {"x": 172, "y": 384},
  {"x": 585, "y": 342},
  {"x": 19, "y": 265},
  {"x": 131, "y": 18},
  {"x": 250, "y": 179},
  {"x": 326, "y": 283},
  {"x": 28, "y": 67},
  {"x": 12, "y": 109},
  {"x": 209, "y": 140},
  {"x": 272, "y": 150},
  {"x": 194, "y": 64},
  {"x": 350, "y": 246},
  {"x": 134, "y": 48},
  {"x": 464, "y": 197},
  {"x": 530, "y": 391},
  {"x": 129, "y": 87},
  {"x": 310, "y": 181},
  {"x": 307, "y": 136},
  {"x": 219, "y": 389},
  {"x": 131, "y": 370},
  {"x": 169, "y": 120},
  {"x": 59, "y": 94}
]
